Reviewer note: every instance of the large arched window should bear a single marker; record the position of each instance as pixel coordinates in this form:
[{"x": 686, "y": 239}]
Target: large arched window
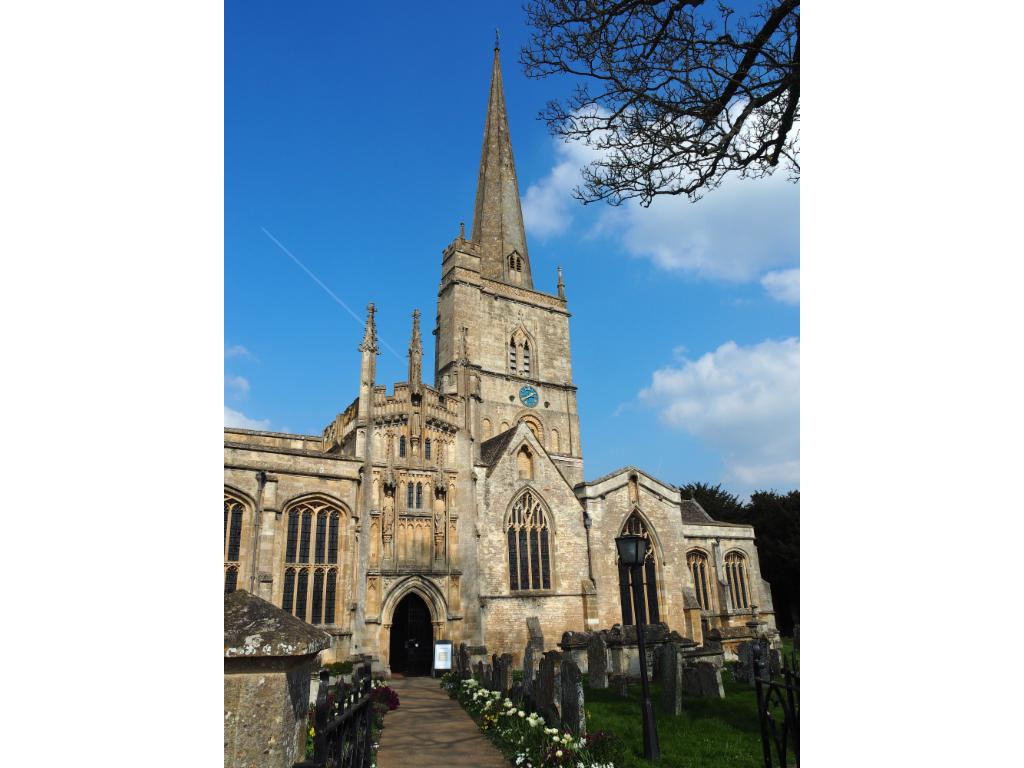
[
  {"x": 697, "y": 562},
  {"x": 234, "y": 513},
  {"x": 736, "y": 574},
  {"x": 649, "y": 613},
  {"x": 529, "y": 545},
  {"x": 311, "y": 561}
]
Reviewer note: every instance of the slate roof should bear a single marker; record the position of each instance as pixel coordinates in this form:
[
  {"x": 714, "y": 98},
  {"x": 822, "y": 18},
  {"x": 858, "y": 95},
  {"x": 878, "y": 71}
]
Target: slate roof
[
  {"x": 491, "y": 450},
  {"x": 694, "y": 513}
]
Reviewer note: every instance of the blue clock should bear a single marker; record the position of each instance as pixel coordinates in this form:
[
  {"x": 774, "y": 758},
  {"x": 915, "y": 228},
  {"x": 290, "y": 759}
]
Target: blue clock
[{"x": 528, "y": 395}]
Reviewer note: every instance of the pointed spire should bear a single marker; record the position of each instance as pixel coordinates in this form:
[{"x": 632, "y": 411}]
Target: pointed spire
[
  {"x": 415, "y": 353},
  {"x": 370, "y": 334},
  {"x": 561, "y": 285},
  {"x": 498, "y": 216}
]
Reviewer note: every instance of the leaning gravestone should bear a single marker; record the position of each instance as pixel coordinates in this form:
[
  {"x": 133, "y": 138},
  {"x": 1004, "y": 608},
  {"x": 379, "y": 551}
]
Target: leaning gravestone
[
  {"x": 572, "y": 710},
  {"x": 547, "y": 685},
  {"x": 597, "y": 661},
  {"x": 620, "y": 684},
  {"x": 709, "y": 680},
  {"x": 672, "y": 671}
]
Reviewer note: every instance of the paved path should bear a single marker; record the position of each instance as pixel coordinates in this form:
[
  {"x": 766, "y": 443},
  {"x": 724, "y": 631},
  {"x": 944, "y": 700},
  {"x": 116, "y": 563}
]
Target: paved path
[{"x": 429, "y": 730}]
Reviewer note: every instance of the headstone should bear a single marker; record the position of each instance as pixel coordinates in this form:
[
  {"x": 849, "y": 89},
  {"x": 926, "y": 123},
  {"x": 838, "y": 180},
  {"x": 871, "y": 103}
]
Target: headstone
[
  {"x": 478, "y": 673},
  {"x": 709, "y": 680},
  {"x": 494, "y": 683},
  {"x": 620, "y": 684},
  {"x": 572, "y": 711},
  {"x": 269, "y": 657},
  {"x": 464, "y": 670},
  {"x": 671, "y": 668},
  {"x": 618, "y": 667},
  {"x": 536, "y": 636},
  {"x": 529, "y": 669},
  {"x": 743, "y": 669},
  {"x": 505, "y": 674},
  {"x": 547, "y": 684},
  {"x": 597, "y": 661}
]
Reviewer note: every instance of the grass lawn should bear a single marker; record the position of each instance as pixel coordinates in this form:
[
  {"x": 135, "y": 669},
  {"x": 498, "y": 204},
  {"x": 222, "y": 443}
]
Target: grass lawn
[{"x": 710, "y": 733}]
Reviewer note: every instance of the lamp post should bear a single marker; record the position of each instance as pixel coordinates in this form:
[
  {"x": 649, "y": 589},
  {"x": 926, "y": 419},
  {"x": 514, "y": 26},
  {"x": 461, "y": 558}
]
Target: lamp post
[{"x": 632, "y": 551}]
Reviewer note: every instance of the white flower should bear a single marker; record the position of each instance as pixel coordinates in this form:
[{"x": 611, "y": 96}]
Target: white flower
[
  {"x": 558, "y": 753},
  {"x": 521, "y": 713}
]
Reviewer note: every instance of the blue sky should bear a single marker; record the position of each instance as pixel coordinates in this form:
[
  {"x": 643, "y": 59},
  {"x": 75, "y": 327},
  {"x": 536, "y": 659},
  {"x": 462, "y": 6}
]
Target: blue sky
[{"x": 352, "y": 137}]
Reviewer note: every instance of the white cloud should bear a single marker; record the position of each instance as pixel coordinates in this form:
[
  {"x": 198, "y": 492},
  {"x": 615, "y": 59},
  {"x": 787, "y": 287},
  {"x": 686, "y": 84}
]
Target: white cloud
[
  {"x": 238, "y": 350},
  {"x": 743, "y": 402},
  {"x": 783, "y": 285},
  {"x": 238, "y": 386},
  {"x": 233, "y": 418},
  {"x": 736, "y": 232}
]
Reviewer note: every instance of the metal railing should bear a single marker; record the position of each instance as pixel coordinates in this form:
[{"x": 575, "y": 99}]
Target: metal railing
[
  {"x": 343, "y": 731},
  {"x": 778, "y": 708}
]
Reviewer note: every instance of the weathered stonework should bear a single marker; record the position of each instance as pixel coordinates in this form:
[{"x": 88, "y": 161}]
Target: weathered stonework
[{"x": 418, "y": 484}]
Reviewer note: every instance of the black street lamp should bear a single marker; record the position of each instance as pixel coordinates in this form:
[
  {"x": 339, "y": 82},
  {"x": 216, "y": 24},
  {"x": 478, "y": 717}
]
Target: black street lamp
[{"x": 632, "y": 551}]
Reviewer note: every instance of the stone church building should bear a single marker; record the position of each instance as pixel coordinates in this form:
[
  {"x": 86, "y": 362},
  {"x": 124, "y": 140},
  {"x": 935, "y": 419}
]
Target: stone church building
[{"x": 457, "y": 509}]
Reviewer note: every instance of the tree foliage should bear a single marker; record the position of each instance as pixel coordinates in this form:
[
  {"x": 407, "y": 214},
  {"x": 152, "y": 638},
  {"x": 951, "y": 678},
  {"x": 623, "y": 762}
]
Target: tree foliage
[
  {"x": 776, "y": 521},
  {"x": 674, "y": 94}
]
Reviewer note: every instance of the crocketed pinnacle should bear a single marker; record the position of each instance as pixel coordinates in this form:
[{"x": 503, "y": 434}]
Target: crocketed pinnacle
[
  {"x": 370, "y": 334},
  {"x": 497, "y": 216},
  {"x": 415, "y": 353}
]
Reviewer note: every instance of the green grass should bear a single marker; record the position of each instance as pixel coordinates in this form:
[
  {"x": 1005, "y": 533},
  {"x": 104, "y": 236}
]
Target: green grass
[{"x": 710, "y": 733}]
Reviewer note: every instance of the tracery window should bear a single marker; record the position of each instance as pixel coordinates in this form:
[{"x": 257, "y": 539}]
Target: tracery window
[
  {"x": 520, "y": 354},
  {"x": 736, "y": 574},
  {"x": 697, "y": 562},
  {"x": 234, "y": 512},
  {"x": 311, "y": 559},
  {"x": 529, "y": 544},
  {"x": 649, "y": 589}
]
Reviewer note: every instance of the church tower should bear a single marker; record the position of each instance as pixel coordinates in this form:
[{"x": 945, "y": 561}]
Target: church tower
[{"x": 501, "y": 343}]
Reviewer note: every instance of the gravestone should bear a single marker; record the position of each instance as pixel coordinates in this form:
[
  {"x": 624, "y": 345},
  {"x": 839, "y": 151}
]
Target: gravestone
[
  {"x": 505, "y": 674},
  {"x": 709, "y": 680},
  {"x": 671, "y": 669},
  {"x": 536, "y": 636},
  {"x": 620, "y": 684},
  {"x": 547, "y": 685},
  {"x": 743, "y": 669},
  {"x": 268, "y": 659},
  {"x": 494, "y": 681},
  {"x": 529, "y": 669},
  {"x": 597, "y": 661},
  {"x": 463, "y": 664},
  {"x": 572, "y": 711},
  {"x": 478, "y": 673}
]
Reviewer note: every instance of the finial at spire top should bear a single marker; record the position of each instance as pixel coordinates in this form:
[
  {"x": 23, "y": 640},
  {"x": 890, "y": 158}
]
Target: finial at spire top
[
  {"x": 370, "y": 334},
  {"x": 497, "y": 40}
]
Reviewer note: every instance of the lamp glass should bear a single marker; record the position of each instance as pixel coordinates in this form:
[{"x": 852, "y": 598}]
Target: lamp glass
[{"x": 631, "y": 549}]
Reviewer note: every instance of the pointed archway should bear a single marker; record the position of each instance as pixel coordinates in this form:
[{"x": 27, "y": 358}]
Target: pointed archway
[{"x": 411, "y": 637}]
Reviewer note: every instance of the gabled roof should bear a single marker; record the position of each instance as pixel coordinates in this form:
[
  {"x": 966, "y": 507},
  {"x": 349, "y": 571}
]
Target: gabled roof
[
  {"x": 694, "y": 513},
  {"x": 491, "y": 450}
]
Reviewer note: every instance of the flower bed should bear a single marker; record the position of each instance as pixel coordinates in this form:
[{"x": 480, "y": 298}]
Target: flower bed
[{"x": 522, "y": 735}]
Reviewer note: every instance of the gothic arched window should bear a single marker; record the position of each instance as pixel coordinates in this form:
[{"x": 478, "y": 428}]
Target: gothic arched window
[
  {"x": 529, "y": 545},
  {"x": 401, "y": 446},
  {"x": 736, "y": 574},
  {"x": 419, "y": 495},
  {"x": 649, "y": 589},
  {"x": 521, "y": 354},
  {"x": 426, "y": 449},
  {"x": 234, "y": 512},
  {"x": 697, "y": 562},
  {"x": 311, "y": 573},
  {"x": 512, "y": 356},
  {"x": 409, "y": 491}
]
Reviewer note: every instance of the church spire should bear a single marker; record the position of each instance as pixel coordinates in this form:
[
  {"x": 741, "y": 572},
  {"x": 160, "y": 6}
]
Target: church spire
[
  {"x": 415, "y": 354},
  {"x": 497, "y": 216}
]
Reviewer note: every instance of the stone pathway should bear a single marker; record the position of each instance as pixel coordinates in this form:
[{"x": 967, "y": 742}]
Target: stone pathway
[{"x": 429, "y": 730}]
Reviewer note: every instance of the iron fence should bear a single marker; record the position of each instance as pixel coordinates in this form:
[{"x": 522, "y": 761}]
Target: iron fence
[
  {"x": 778, "y": 708},
  {"x": 343, "y": 725}
]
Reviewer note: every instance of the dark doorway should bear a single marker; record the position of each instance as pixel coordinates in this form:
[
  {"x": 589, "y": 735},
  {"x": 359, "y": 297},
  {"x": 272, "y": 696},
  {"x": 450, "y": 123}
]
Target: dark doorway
[{"x": 411, "y": 637}]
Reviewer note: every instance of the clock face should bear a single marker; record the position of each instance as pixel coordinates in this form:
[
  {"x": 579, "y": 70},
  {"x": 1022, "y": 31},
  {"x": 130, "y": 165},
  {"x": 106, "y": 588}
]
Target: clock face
[{"x": 528, "y": 395}]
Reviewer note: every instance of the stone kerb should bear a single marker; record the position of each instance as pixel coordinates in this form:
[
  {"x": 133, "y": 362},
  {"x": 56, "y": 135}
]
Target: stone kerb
[{"x": 269, "y": 656}]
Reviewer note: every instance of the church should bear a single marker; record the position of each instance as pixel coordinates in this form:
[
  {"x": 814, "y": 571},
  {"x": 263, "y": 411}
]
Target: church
[{"x": 457, "y": 509}]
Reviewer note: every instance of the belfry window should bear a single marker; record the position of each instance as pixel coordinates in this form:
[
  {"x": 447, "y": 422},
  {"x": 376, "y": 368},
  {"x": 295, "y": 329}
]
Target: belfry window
[
  {"x": 234, "y": 512},
  {"x": 526, "y": 358},
  {"x": 512, "y": 356},
  {"x": 529, "y": 545},
  {"x": 736, "y": 574},
  {"x": 697, "y": 562},
  {"x": 311, "y": 573},
  {"x": 649, "y": 613},
  {"x": 521, "y": 355}
]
